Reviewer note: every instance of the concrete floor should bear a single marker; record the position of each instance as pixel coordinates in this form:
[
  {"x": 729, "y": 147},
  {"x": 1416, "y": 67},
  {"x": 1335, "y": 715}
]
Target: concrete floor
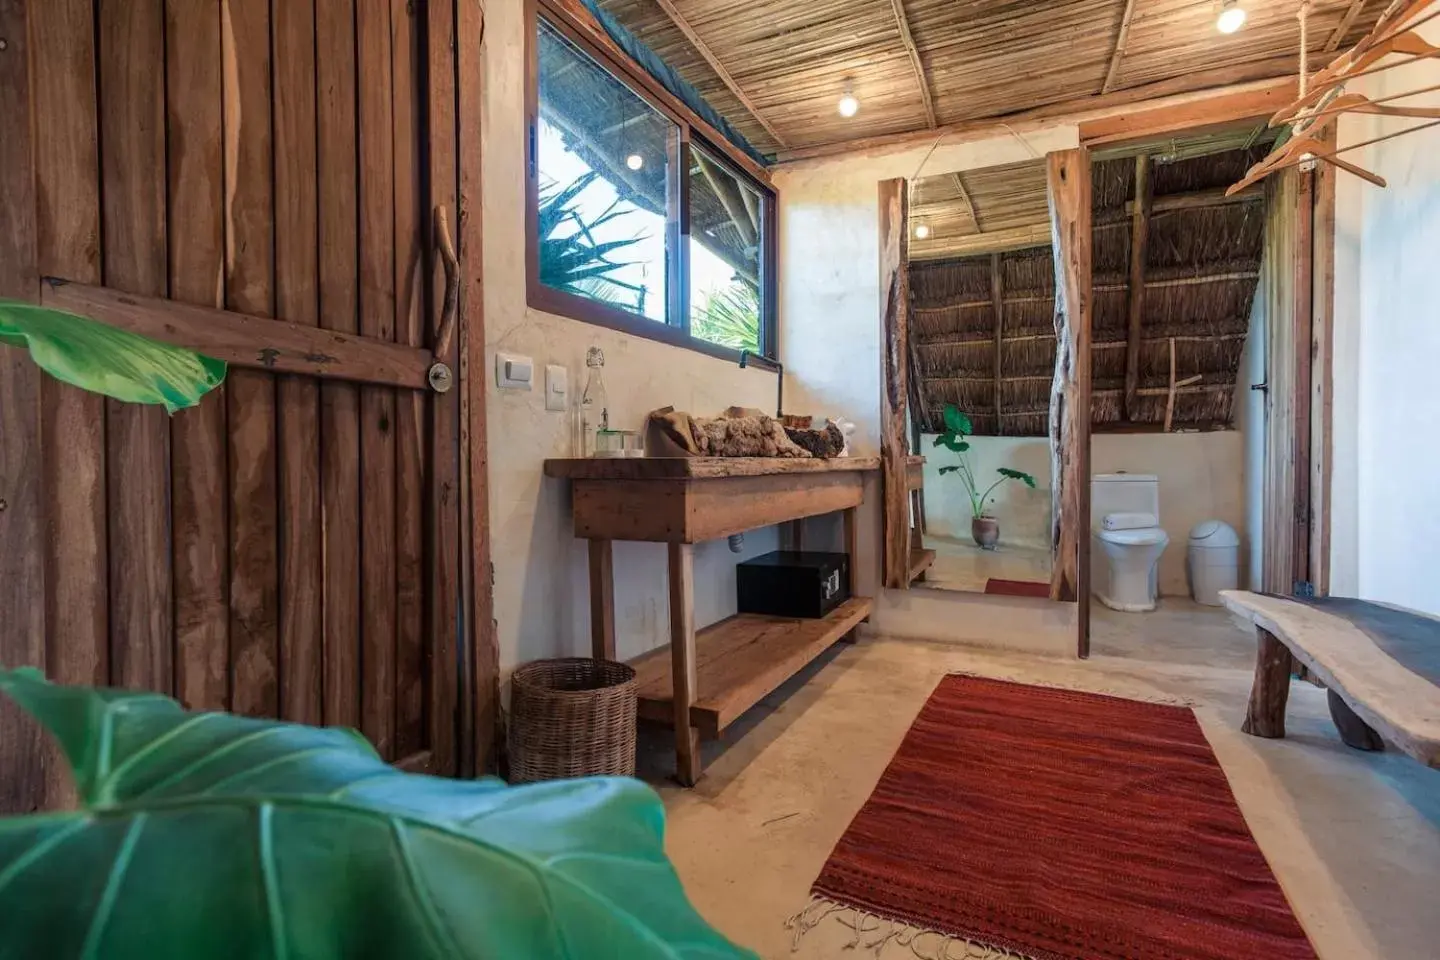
[
  {"x": 961, "y": 565},
  {"x": 1354, "y": 838}
]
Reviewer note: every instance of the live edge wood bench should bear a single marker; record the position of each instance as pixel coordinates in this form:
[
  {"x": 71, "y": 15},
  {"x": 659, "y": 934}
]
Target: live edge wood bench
[
  {"x": 708, "y": 678},
  {"x": 1381, "y": 666}
]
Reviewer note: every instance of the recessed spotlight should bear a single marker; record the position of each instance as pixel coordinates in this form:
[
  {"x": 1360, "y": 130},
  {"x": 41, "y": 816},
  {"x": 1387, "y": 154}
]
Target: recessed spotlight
[
  {"x": 848, "y": 105},
  {"x": 922, "y": 230},
  {"x": 1232, "y": 16},
  {"x": 634, "y": 161}
]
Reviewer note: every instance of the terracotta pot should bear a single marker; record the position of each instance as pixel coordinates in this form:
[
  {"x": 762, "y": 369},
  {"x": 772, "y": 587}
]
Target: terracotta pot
[{"x": 986, "y": 531}]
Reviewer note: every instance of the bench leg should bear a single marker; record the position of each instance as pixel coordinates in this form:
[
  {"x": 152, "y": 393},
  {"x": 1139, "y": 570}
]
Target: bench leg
[
  {"x": 1265, "y": 715},
  {"x": 1354, "y": 731}
]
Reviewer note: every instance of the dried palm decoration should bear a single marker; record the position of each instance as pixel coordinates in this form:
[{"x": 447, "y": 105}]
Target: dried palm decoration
[{"x": 1323, "y": 98}]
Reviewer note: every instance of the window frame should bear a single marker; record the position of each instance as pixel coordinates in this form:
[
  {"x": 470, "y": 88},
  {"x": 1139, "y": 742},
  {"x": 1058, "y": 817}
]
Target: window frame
[{"x": 675, "y": 328}]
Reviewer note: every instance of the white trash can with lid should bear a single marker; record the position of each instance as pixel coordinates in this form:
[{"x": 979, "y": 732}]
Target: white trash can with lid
[{"x": 1214, "y": 561}]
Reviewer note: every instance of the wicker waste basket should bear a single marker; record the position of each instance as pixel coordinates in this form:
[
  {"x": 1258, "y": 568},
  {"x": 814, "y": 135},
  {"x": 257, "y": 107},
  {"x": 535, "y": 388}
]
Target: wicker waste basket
[{"x": 572, "y": 717}]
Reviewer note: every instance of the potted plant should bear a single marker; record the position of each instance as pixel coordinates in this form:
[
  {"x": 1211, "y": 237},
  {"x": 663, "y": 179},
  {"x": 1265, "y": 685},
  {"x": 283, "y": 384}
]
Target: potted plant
[
  {"x": 208, "y": 835},
  {"x": 983, "y": 527}
]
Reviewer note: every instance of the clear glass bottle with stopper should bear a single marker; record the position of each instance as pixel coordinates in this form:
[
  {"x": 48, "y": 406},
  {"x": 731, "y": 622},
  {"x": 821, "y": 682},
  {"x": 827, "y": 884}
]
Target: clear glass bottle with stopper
[{"x": 594, "y": 408}]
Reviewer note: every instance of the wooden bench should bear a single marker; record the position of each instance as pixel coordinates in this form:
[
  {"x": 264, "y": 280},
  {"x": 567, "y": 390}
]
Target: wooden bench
[{"x": 1381, "y": 666}]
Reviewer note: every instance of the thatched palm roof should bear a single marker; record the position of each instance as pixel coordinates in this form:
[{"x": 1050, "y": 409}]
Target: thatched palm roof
[{"x": 1202, "y": 263}]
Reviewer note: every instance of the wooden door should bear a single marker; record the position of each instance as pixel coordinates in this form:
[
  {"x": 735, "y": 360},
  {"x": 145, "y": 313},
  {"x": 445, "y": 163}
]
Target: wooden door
[
  {"x": 1287, "y": 291},
  {"x": 258, "y": 181}
]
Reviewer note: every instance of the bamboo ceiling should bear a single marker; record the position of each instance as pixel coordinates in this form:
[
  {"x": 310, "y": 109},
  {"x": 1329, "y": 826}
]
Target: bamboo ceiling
[
  {"x": 978, "y": 59},
  {"x": 1004, "y": 208},
  {"x": 982, "y": 325}
]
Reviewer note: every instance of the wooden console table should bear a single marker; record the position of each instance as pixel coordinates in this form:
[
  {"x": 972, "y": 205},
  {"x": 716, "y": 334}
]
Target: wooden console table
[{"x": 710, "y": 676}]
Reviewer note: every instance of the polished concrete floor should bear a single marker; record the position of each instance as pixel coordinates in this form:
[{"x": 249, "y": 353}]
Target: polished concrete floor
[
  {"x": 1354, "y": 838},
  {"x": 962, "y": 565}
]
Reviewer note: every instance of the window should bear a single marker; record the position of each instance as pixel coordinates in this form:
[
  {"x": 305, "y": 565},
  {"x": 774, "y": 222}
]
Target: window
[
  {"x": 727, "y": 234},
  {"x": 636, "y": 221}
]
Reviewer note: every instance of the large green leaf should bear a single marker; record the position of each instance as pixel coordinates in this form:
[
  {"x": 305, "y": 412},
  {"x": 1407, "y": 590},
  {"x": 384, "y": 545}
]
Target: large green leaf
[
  {"x": 104, "y": 359},
  {"x": 957, "y": 422},
  {"x": 210, "y": 835},
  {"x": 1012, "y": 474}
]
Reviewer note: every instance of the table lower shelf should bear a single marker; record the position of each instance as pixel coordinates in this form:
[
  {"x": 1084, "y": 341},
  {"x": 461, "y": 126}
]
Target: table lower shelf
[{"x": 739, "y": 661}]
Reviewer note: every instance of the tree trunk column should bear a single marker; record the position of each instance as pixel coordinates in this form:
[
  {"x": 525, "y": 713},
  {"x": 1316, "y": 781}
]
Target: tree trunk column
[{"x": 1265, "y": 715}]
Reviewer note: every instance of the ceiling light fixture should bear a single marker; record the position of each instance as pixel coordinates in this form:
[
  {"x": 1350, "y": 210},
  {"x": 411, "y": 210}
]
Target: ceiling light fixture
[
  {"x": 849, "y": 106},
  {"x": 1232, "y": 16},
  {"x": 922, "y": 230},
  {"x": 634, "y": 161}
]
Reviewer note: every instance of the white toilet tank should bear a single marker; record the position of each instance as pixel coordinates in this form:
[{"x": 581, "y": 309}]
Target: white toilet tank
[{"x": 1123, "y": 493}]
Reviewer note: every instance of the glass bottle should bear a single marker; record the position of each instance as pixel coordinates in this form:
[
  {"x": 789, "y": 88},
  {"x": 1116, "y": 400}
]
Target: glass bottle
[{"x": 594, "y": 408}]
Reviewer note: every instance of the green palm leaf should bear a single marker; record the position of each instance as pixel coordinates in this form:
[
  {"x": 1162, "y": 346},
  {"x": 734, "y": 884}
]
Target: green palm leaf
[
  {"x": 103, "y": 359},
  {"x": 210, "y": 835}
]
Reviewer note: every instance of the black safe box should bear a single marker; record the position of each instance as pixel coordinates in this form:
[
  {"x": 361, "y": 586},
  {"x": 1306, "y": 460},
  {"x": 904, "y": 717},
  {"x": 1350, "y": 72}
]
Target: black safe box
[{"x": 789, "y": 583}]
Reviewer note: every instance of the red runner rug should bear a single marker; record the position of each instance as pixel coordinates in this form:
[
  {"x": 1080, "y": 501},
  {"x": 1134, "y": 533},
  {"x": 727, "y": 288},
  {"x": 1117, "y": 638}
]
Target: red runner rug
[
  {"x": 1062, "y": 825},
  {"x": 1017, "y": 588}
]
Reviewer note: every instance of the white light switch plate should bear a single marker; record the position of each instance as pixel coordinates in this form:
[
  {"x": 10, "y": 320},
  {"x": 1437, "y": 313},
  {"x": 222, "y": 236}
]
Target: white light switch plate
[
  {"x": 513, "y": 371},
  {"x": 557, "y": 387}
]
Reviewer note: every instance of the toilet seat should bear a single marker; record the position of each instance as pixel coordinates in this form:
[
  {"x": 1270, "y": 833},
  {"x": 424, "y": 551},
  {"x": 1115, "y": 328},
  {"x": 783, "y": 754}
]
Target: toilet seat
[{"x": 1142, "y": 537}]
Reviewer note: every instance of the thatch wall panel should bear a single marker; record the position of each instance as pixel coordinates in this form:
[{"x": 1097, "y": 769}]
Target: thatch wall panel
[
  {"x": 1197, "y": 239},
  {"x": 974, "y": 394},
  {"x": 1028, "y": 357},
  {"x": 1204, "y": 172},
  {"x": 1030, "y": 316},
  {"x": 1109, "y": 313},
  {"x": 1201, "y": 308},
  {"x": 1202, "y": 265},
  {"x": 964, "y": 359},
  {"x": 950, "y": 321}
]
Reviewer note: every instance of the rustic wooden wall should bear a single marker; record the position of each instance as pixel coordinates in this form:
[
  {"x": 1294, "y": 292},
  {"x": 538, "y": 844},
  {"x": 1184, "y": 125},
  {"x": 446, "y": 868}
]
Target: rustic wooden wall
[
  {"x": 290, "y": 547},
  {"x": 895, "y": 388},
  {"x": 1070, "y": 184}
]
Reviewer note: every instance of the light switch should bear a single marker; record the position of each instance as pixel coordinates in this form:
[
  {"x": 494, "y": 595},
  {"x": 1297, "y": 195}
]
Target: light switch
[
  {"x": 513, "y": 372},
  {"x": 557, "y": 387}
]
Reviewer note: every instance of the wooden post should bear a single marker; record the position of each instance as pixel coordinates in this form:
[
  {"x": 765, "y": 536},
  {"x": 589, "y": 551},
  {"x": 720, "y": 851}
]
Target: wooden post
[
  {"x": 895, "y": 312},
  {"x": 602, "y": 599},
  {"x": 1068, "y": 174},
  {"x": 1139, "y": 240},
  {"x": 684, "y": 678},
  {"x": 852, "y": 548},
  {"x": 997, "y": 304},
  {"x": 1265, "y": 714}
]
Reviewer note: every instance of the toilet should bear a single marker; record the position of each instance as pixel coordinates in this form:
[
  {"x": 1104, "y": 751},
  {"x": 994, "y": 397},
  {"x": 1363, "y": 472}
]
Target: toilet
[{"x": 1126, "y": 540}]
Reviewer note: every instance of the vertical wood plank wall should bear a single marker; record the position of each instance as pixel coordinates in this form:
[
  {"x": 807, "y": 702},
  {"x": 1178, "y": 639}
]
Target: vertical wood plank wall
[
  {"x": 288, "y": 548},
  {"x": 1286, "y": 195}
]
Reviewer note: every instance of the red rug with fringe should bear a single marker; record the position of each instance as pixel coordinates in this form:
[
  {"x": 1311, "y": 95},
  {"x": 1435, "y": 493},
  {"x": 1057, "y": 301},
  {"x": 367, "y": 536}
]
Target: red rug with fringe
[{"x": 1059, "y": 825}]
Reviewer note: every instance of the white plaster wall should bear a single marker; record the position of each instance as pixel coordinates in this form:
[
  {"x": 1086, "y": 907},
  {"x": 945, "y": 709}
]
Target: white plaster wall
[
  {"x": 1024, "y": 514},
  {"x": 1385, "y": 531},
  {"x": 1250, "y": 421},
  {"x": 1201, "y": 478},
  {"x": 541, "y": 580},
  {"x": 830, "y": 342}
]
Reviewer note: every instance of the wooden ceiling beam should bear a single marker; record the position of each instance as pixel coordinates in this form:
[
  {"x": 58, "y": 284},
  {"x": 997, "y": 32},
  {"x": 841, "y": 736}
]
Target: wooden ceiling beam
[
  {"x": 1121, "y": 115},
  {"x": 1346, "y": 22},
  {"x": 702, "y": 48},
  {"x": 1121, "y": 39},
  {"x": 914, "y": 53}
]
